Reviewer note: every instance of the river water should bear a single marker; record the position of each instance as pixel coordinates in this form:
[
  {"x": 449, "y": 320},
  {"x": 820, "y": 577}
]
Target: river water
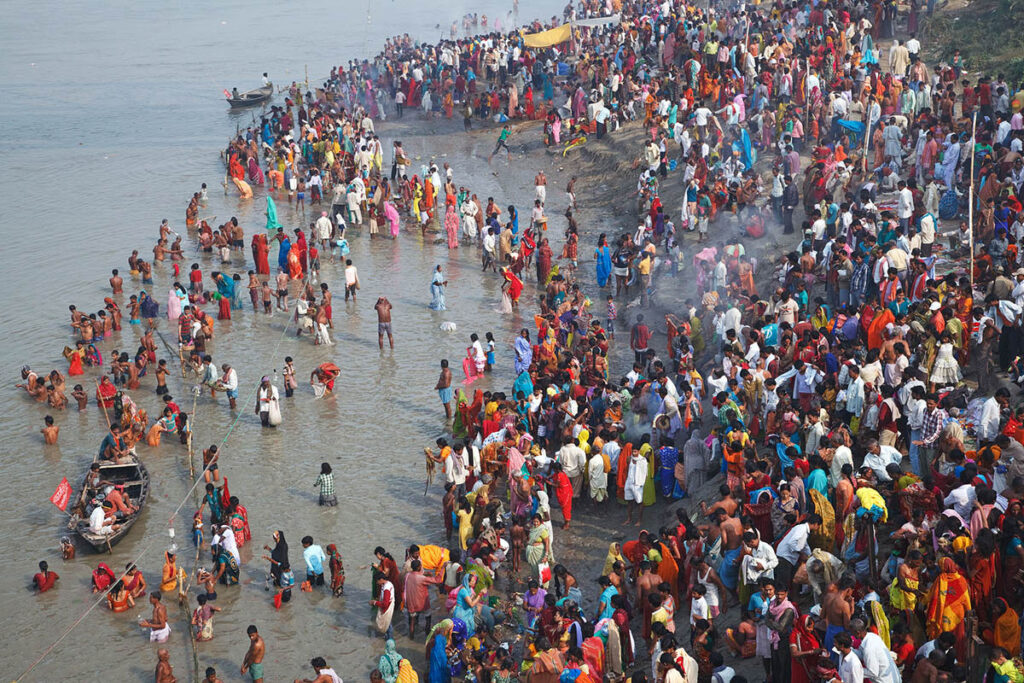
[{"x": 111, "y": 115}]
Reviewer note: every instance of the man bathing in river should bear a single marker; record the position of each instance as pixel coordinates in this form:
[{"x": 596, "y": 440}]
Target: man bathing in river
[{"x": 383, "y": 308}]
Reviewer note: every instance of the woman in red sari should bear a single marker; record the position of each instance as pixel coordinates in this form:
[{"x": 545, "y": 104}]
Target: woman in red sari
[
  {"x": 563, "y": 491},
  {"x": 804, "y": 647},
  {"x": 515, "y": 285},
  {"x": 301, "y": 247},
  {"x": 235, "y": 169},
  {"x": 981, "y": 573},
  {"x": 528, "y": 108},
  {"x": 259, "y": 253},
  {"x": 105, "y": 392}
]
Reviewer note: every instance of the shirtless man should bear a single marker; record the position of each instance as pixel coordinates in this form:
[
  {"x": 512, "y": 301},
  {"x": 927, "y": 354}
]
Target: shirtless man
[
  {"x": 731, "y": 530},
  {"x": 383, "y": 308},
  {"x": 325, "y": 302},
  {"x": 160, "y": 250},
  {"x": 146, "y": 270},
  {"x": 324, "y": 674},
  {"x": 726, "y": 503},
  {"x": 647, "y": 583},
  {"x": 444, "y": 388},
  {"x": 570, "y": 193},
  {"x": 164, "y": 670},
  {"x": 282, "y": 290},
  {"x": 50, "y": 432},
  {"x": 837, "y": 608},
  {"x": 211, "y": 676},
  {"x": 148, "y": 343},
  {"x": 160, "y": 630},
  {"x": 253, "y": 662},
  {"x": 116, "y": 282},
  {"x": 540, "y": 183}
]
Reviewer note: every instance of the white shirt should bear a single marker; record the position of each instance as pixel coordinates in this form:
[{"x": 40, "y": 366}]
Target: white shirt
[
  {"x": 701, "y": 115},
  {"x": 572, "y": 458},
  {"x": 761, "y": 561},
  {"x": 351, "y": 275},
  {"x": 850, "y": 669},
  {"x": 455, "y": 468},
  {"x": 699, "y": 610},
  {"x": 878, "y": 663},
  {"x": 905, "y": 206},
  {"x": 230, "y": 379},
  {"x": 97, "y": 520},
  {"x": 885, "y": 456},
  {"x": 794, "y": 543},
  {"x": 988, "y": 430},
  {"x": 962, "y": 499}
]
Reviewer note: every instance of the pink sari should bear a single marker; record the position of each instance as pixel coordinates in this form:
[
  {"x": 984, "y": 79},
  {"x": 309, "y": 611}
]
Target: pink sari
[
  {"x": 451, "y": 226},
  {"x": 391, "y": 213}
]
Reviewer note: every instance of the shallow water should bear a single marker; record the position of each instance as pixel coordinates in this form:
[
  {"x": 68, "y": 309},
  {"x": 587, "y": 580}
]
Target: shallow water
[{"x": 110, "y": 117}]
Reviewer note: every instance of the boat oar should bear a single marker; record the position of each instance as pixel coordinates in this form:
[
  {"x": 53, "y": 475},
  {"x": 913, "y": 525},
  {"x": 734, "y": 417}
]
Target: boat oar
[{"x": 101, "y": 402}]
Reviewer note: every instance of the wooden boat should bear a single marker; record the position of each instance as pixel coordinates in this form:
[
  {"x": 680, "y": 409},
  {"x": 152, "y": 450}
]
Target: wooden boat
[
  {"x": 134, "y": 477},
  {"x": 250, "y": 98}
]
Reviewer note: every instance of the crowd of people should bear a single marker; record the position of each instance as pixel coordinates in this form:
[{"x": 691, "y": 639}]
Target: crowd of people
[{"x": 852, "y": 404}]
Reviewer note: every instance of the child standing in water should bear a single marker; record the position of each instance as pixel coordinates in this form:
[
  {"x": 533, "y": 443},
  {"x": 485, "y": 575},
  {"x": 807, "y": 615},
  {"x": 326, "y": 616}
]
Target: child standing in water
[{"x": 490, "y": 352}]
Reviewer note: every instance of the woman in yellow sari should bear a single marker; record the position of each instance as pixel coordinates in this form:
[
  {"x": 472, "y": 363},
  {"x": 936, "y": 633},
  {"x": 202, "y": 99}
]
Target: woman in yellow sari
[
  {"x": 648, "y": 452},
  {"x": 825, "y": 536},
  {"x": 614, "y": 555}
]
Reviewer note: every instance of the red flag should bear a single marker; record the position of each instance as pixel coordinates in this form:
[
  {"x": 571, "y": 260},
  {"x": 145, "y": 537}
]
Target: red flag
[
  {"x": 227, "y": 94},
  {"x": 62, "y": 496}
]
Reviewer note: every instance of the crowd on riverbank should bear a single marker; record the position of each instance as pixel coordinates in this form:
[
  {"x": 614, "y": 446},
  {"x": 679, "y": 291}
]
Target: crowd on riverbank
[{"x": 869, "y": 511}]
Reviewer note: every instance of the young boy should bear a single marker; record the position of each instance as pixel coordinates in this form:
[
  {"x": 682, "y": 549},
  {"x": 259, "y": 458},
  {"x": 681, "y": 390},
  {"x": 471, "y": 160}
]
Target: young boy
[
  {"x": 282, "y": 290},
  {"x": 195, "y": 279},
  {"x": 267, "y": 295},
  {"x": 50, "y": 431},
  {"x": 78, "y": 393},
  {"x": 613, "y": 314}
]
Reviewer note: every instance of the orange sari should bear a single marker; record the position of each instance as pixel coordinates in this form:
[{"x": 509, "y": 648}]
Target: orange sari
[
  {"x": 668, "y": 570},
  {"x": 623, "y": 473},
  {"x": 949, "y": 599}
]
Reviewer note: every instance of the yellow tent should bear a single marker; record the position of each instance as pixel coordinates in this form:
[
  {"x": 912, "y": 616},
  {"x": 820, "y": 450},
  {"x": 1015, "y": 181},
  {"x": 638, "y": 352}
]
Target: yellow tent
[{"x": 548, "y": 38}]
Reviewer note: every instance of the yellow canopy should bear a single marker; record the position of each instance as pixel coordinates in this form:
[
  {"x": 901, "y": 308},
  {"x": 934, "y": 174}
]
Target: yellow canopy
[{"x": 548, "y": 38}]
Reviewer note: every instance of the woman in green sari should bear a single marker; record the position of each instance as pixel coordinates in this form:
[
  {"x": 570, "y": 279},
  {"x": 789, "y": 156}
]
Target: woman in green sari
[{"x": 538, "y": 547}]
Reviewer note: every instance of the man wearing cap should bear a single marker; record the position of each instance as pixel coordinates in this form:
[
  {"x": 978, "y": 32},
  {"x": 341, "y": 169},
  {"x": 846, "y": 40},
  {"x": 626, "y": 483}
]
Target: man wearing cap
[
  {"x": 1002, "y": 286},
  {"x": 1018, "y": 291}
]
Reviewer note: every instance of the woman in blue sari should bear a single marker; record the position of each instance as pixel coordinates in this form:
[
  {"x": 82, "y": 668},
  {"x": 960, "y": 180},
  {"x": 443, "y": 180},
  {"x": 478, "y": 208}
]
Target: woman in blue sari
[
  {"x": 225, "y": 285},
  {"x": 603, "y": 256},
  {"x": 282, "y": 252},
  {"x": 465, "y": 603},
  {"x": 524, "y": 352},
  {"x": 437, "y": 285},
  {"x": 439, "y": 671},
  {"x": 523, "y": 385}
]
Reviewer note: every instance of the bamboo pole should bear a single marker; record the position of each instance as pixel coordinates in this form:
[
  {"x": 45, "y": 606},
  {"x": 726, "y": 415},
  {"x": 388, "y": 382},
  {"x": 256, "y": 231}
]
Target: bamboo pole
[
  {"x": 970, "y": 199},
  {"x": 100, "y": 401}
]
